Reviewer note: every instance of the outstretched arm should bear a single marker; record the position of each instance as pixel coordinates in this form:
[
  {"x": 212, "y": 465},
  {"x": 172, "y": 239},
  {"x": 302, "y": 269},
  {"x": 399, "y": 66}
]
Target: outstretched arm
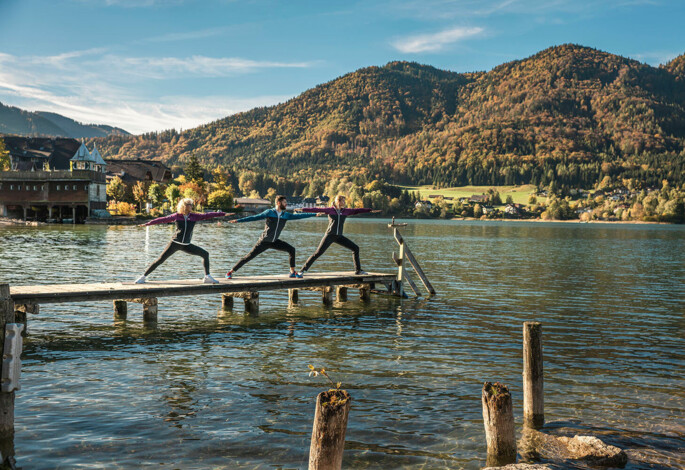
[
  {"x": 356, "y": 211},
  {"x": 319, "y": 210},
  {"x": 262, "y": 215},
  {"x": 292, "y": 216},
  {"x": 162, "y": 220},
  {"x": 208, "y": 215}
]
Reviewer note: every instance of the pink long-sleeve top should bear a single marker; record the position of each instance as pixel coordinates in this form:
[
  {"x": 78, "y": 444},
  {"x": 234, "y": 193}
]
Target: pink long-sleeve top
[
  {"x": 184, "y": 224},
  {"x": 336, "y": 217}
]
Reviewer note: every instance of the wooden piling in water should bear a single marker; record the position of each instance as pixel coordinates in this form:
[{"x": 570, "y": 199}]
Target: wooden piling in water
[
  {"x": 227, "y": 301},
  {"x": 341, "y": 294},
  {"x": 150, "y": 310},
  {"x": 293, "y": 296},
  {"x": 328, "y": 433},
  {"x": 120, "y": 309},
  {"x": 6, "y": 398},
  {"x": 327, "y": 295},
  {"x": 365, "y": 293},
  {"x": 533, "y": 383},
  {"x": 498, "y": 418}
]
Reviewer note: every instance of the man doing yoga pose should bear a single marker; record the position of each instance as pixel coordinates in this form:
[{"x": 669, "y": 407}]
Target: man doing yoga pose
[
  {"x": 275, "y": 221},
  {"x": 336, "y": 220},
  {"x": 185, "y": 223}
]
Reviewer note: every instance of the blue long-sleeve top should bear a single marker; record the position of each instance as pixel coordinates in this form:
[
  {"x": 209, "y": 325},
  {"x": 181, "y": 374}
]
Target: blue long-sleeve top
[{"x": 275, "y": 222}]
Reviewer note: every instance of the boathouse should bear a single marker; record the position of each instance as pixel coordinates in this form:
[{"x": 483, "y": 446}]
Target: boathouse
[{"x": 52, "y": 179}]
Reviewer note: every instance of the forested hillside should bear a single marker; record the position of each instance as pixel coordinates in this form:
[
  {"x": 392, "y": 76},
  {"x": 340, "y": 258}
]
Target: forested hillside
[
  {"x": 568, "y": 114},
  {"x": 17, "y": 121}
]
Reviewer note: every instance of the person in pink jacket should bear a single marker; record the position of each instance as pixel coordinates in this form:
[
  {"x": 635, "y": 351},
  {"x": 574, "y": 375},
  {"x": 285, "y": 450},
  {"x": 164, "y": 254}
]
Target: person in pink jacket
[
  {"x": 337, "y": 214},
  {"x": 185, "y": 223}
]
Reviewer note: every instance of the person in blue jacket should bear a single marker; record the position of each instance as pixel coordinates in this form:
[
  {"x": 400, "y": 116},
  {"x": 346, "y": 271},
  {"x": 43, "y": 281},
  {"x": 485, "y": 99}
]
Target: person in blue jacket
[{"x": 275, "y": 222}]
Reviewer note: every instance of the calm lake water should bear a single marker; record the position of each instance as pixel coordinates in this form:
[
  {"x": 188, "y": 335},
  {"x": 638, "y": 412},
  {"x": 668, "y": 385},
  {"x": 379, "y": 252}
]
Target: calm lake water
[{"x": 213, "y": 389}]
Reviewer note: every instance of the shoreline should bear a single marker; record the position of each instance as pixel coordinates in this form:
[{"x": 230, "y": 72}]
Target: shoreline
[{"x": 571, "y": 221}]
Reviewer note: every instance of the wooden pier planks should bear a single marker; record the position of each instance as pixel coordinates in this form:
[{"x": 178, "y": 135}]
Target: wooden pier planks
[{"x": 62, "y": 293}]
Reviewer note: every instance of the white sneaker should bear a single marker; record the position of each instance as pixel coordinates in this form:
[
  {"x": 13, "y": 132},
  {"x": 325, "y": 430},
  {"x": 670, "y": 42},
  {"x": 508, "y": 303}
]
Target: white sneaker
[
  {"x": 141, "y": 279},
  {"x": 209, "y": 280},
  {"x": 360, "y": 273}
]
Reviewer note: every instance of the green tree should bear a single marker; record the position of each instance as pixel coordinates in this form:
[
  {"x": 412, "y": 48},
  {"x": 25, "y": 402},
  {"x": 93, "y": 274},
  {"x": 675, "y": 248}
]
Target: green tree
[
  {"x": 477, "y": 211},
  {"x": 193, "y": 170},
  {"x": 116, "y": 189},
  {"x": 510, "y": 200},
  {"x": 220, "y": 199},
  {"x": 4, "y": 156},
  {"x": 155, "y": 194},
  {"x": 140, "y": 194},
  {"x": 172, "y": 194},
  {"x": 271, "y": 194}
]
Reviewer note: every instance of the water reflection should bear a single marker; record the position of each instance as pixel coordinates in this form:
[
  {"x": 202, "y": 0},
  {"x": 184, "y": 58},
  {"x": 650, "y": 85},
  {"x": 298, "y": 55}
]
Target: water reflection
[{"x": 221, "y": 389}]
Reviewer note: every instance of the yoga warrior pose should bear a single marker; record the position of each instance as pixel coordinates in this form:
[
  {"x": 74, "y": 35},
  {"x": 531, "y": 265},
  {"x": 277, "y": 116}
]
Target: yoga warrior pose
[
  {"x": 185, "y": 223},
  {"x": 275, "y": 221},
  {"x": 336, "y": 220}
]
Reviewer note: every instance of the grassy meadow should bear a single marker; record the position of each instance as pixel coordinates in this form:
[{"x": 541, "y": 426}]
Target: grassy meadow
[{"x": 520, "y": 194}]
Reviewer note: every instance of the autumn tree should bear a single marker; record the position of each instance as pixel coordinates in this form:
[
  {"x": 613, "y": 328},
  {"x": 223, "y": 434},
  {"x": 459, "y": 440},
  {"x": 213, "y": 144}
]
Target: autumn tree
[
  {"x": 116, "y": 189},
  {"x": 155, "y": 194},
  {"x": 4, "y": 156}
]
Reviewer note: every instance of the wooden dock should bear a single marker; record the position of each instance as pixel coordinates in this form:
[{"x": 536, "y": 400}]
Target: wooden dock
[{"x": 27, "y": 299}]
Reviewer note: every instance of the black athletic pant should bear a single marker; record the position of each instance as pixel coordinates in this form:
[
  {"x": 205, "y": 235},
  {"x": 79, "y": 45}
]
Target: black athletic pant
[
  {"x": 264, "y": 245},
  {"x": 173, "y": 247},
  {"x": 327, "y": 241}
]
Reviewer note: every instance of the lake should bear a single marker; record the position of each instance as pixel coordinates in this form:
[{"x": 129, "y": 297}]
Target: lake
[{"x": 214, "y": 389}]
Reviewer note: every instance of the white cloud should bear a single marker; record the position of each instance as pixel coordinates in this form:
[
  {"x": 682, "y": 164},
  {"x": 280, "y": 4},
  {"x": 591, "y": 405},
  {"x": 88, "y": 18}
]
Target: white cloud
[
  {"x": 435, "y": 41},
  {"x": 94, "y": 87},
  {"x": 656, "y": 57}
]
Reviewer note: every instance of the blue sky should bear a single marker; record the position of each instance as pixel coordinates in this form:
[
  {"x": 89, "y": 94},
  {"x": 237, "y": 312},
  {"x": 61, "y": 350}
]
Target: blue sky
[{"x": 148, "y": 65}]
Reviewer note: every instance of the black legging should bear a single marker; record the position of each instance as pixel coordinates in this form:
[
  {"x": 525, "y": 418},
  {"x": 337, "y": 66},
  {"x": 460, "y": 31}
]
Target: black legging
[
  {"x": 327, "y": 241},
  {"x": 264, "y": 245},
  {"x": 173, "y": 247}
]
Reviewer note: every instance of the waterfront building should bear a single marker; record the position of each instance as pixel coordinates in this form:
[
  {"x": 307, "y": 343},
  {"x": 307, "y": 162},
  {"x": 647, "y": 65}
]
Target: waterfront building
[{"x": 52, "y": 179}]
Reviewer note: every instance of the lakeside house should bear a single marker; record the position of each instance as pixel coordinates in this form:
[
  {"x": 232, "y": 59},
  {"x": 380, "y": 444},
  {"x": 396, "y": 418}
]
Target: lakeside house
[
  {"x": 132, "y": 171},
  {"x": 52, "y": 179},
  {"x": 299, "y": 202},
  {"x": 423, "y": 204},
  {"x": 323, "y": 201},
  {"x": 252, "y": 204},
  {"x": 478, "y": 198}
]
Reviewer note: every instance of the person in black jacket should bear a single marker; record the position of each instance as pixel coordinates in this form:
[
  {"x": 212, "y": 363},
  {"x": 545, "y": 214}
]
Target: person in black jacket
[
  {"x": 275, "y": 222},
  {"x": 185, "y": 223}
]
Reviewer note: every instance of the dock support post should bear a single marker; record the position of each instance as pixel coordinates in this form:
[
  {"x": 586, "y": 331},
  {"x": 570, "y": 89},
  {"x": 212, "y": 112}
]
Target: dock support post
[
  {"x": 498, "y": 418},
  {"x": 328, "y": 433},
  {"x": 327, "y": 295},
  {"x": 227, "y": 301},
  {"x": 120, "y": 309},
  {"x": 533, "y": 386},
  {"x": 341, "y": 294},
  {"x": 150, "y": 310},
  {"x": 365, "y": 293},
  {"x": 6, "y": 398},
  {"x": 21, "y": 313},
  {"x": 293, "y": 296},
  {"x": 251, "y": 302}
]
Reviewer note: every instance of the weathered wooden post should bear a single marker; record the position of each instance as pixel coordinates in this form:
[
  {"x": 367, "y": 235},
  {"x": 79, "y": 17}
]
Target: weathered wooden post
[
  {"x": 341, "y": 294},
  {"x": 327, "y": 295},
  {"x": 150, "y": 310},
  {"x": 251, "y": 302},
  {"x": 293, "y": 296},
  {"x": 498, "y": 417},
  {"x": 227, "y": 301},
  {"x": 120, "y": 309},
  {"x": 365, "y": 293},
  {"x": 328, "y": 434},
  {"x": 533, "y": 389},
  {"x": 6, "y": 398}
]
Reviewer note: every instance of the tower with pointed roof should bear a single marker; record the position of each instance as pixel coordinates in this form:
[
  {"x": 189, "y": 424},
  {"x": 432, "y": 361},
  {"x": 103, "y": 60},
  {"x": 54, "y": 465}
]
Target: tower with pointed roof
[{"x": 86, "y": 160}]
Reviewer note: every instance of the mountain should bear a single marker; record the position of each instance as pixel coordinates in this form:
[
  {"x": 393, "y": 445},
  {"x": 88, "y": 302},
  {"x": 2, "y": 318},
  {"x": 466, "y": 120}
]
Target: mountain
[
  {"x": 17, "y": 121},
  {"x": 569, "y": 113}
]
